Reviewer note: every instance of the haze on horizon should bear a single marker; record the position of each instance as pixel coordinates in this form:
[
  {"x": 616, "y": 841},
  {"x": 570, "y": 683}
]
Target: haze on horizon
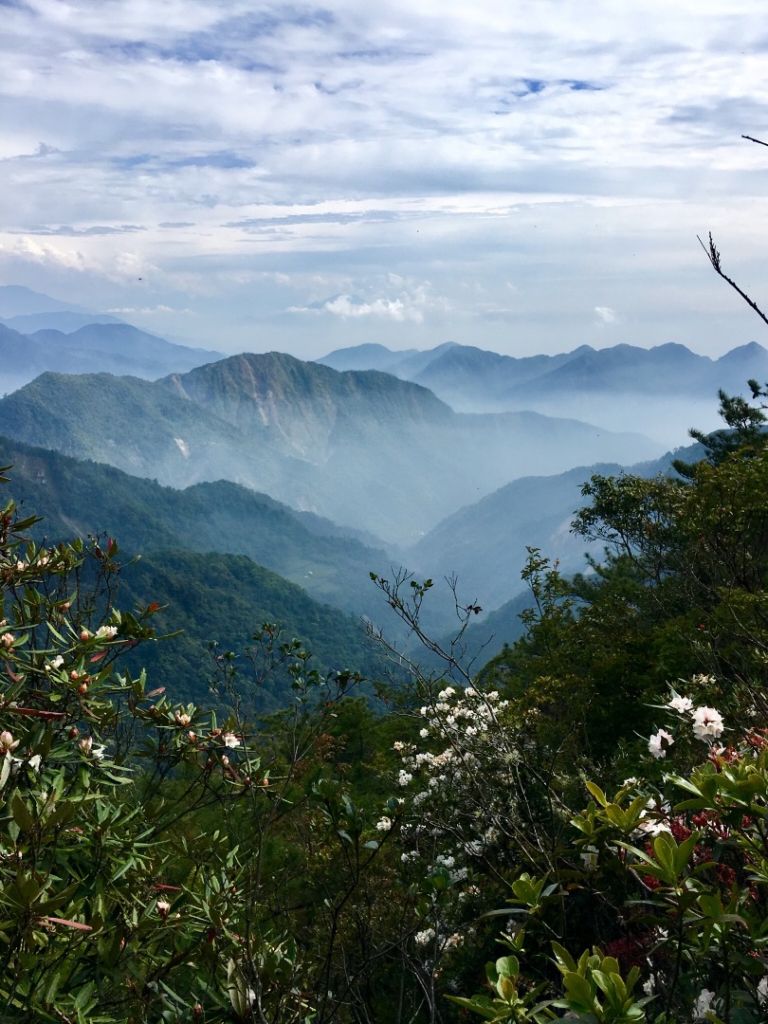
[{"x": 526, "y": 177}]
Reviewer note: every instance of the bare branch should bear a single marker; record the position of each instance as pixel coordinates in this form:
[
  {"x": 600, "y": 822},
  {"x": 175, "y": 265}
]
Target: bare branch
[
  {"x": 713, "y": 255},
  {"x": 758, "y": 141}
]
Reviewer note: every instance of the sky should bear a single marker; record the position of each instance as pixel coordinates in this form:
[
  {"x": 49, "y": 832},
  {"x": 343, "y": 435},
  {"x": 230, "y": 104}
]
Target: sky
[{"x": 522, "y": 175}]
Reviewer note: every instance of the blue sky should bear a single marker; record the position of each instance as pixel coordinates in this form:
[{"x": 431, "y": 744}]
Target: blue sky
[{"x": 524, "y": 175}]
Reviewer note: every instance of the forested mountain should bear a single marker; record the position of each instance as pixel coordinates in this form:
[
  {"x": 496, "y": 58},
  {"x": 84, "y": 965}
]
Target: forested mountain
[
  {"x": 78, "y": 499},
  {"x": 357, "y": 447},
  {"x": 226, "y": 599},
  {"x": 193, "y": 563},
  {"x": 484, "y": 544}
]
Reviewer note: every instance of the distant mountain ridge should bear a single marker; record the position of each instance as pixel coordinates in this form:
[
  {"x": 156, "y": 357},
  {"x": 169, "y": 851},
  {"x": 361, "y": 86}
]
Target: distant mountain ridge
[
  {"x": 464, "y": 371},
  {"x": 17, "y": 300},
  {"x": 39, "y": 333},
  {"x": 356, "y": 447},
  {"x": 659, "y": 391}
]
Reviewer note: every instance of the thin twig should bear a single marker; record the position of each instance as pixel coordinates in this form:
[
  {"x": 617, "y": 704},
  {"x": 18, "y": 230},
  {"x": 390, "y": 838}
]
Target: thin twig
[
  {"x": 713, "y": 255},
  {"x": 749, "y": 138}
]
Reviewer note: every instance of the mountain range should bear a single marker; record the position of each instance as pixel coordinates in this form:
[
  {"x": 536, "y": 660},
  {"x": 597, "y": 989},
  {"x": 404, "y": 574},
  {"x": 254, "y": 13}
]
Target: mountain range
[
  {"x": 613, "y": 387},
  {"x": 39, "y": 334},
  {"x": 463, "y": 373},
  {"x": 356, "y": 447}
]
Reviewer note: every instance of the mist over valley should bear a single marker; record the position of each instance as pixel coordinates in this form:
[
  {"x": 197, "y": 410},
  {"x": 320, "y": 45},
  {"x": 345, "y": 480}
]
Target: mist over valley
[{"x": 447, "y": 462}]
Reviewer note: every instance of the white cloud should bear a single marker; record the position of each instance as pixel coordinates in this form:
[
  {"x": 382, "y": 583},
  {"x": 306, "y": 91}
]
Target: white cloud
[
  {"x": 147, "y": 311},
  {"x": 470, "y": 144},
  {"x": 390, "y": 309},
  {"x": 605, "y": 314}
]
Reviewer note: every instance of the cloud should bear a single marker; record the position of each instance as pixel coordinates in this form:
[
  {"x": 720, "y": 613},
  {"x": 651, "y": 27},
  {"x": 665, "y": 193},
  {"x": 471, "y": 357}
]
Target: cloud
[
  {"x": 413, "y": 302},
  {"x": 73, "y": 232},
  {"x": 349, "y": 307},
  {"x": 148, "y": 311},
  {"x": 461, "y": 143},
  {"x": 389, "y": 309},
  {"x": 605, "y": 314}
]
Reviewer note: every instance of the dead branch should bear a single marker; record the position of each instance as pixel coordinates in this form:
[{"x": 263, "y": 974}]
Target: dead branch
[{"x": 713, "y": 255}]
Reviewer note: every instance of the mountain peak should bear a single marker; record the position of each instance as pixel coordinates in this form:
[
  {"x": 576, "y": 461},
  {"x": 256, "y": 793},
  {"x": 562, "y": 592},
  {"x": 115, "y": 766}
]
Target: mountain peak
[{"x": 18, "y": 300}]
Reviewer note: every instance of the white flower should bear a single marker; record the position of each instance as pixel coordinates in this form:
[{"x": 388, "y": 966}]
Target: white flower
[
  {"x": 230, "y": 740},
  {"x": 762, "y": 991},
  {"x": 649, "y": 986},
  {"x": 659, "y": 743},
  {"x": 87, "y": 747},
  {"x": 446, "y": 693},
  {"x": 7, "y": 742},
  {"x": 680, "y": 704},
  {"x": 182, "y": 719},
  {"x": 163, "y": 906},
  {"x": 54, "y": 663},
  {"x": 7, "y": 640},
  {"x": 425, "y": 937},
  {"x": 106, "y": 632},
  {"x": 423, "y": 733},
  {"x": 589, "y": 858},
  {"x": 703, "y": 1005},
  {"x": 384, "y": 824},
  {"x": 404, "y": 777},
  {"x": 703, "y": 680},
  {"x": 707, "y": 724},
  {"x": 652, "y": 827},
  {"x": 398, "y": 746}
]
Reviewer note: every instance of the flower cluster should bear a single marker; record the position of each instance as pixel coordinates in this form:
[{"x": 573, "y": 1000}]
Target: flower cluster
[
  {"x": 461, "y": 784},
  {"x": 706, "y": 723}
]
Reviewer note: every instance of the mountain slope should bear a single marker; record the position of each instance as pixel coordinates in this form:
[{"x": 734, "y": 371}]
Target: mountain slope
[
  {"x": 225, "y": 599},
  {"x": 484, "y": 544},
  {"x": 79, "y": 498}
]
